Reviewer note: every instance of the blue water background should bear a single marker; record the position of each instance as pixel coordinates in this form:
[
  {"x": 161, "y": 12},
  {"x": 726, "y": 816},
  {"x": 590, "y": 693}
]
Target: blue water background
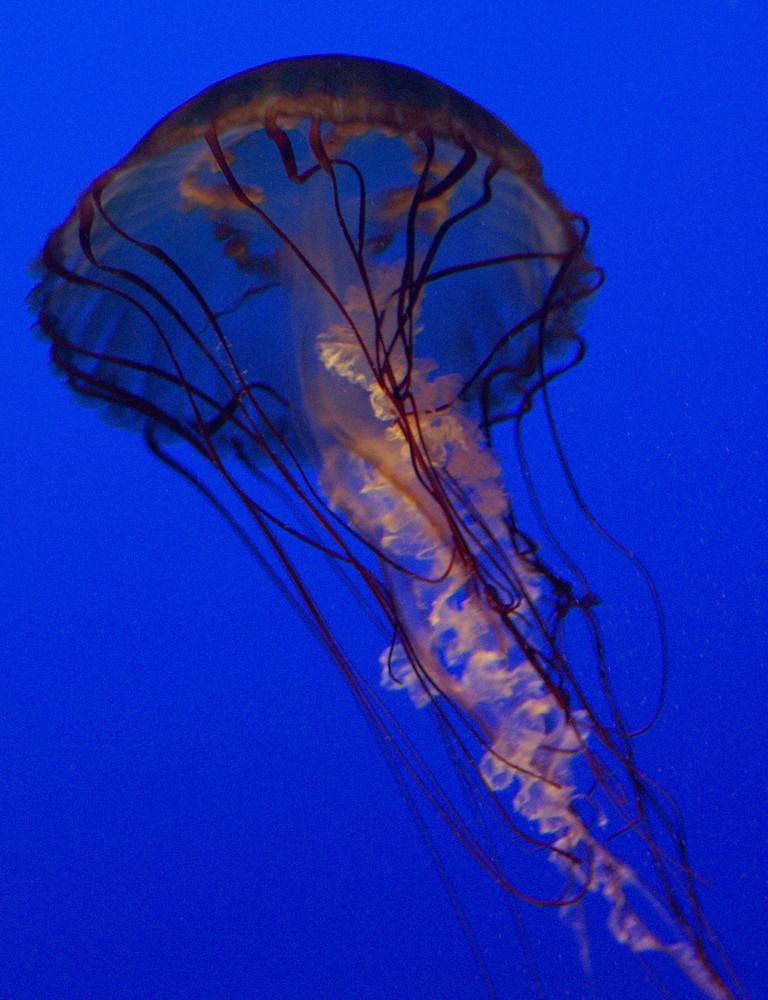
[{"x": 191, "y": 807}]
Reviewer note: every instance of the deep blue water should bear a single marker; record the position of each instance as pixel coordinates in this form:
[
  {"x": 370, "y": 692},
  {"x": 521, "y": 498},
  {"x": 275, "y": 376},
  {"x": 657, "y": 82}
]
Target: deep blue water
[{"x": 191, "y": 806}]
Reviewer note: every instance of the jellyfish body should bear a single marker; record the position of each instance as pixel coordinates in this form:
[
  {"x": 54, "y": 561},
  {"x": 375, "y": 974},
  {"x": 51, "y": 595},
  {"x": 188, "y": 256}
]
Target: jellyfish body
[{"x": 337, "y": 277}]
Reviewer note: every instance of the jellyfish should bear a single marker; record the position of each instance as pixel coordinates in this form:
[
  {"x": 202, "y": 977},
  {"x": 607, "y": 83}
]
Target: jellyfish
[{"x": 336, "y": 285}]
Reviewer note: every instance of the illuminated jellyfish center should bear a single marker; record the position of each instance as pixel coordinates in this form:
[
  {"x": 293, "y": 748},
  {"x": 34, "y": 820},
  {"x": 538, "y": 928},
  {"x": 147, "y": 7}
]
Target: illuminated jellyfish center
[
  {"x": 387, "y": 471},
  {"x": 339, "y": 275},
  {"x": 419, "y": 482}
]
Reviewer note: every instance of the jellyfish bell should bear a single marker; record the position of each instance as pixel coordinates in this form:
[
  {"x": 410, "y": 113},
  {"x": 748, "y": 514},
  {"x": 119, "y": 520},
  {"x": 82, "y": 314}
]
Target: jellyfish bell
[{"x": 335, "y": 279}]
